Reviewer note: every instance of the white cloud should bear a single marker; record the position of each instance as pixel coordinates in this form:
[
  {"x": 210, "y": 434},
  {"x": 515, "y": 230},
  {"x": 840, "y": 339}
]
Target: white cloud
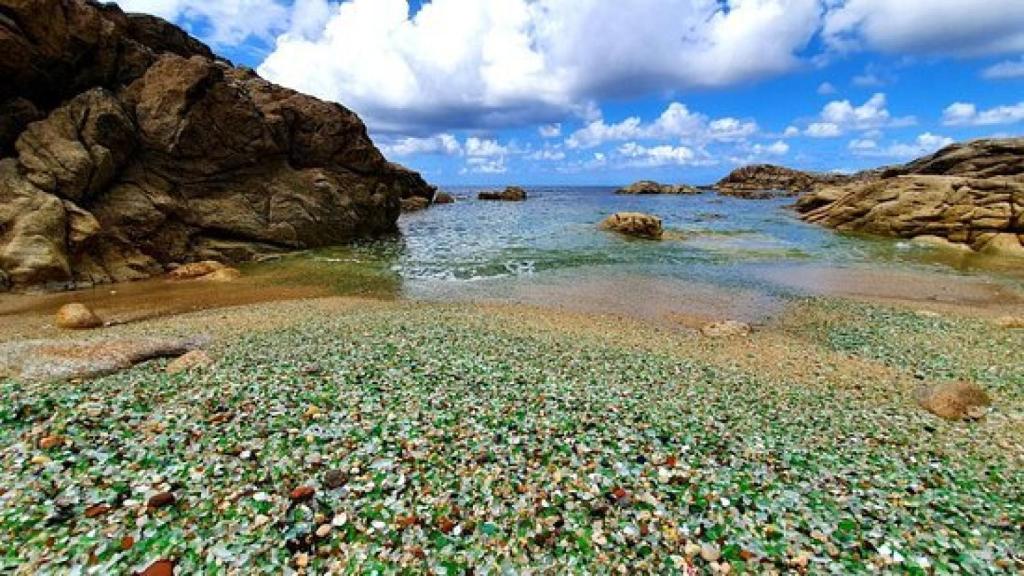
[
  {"x": 676, "y": 122},
  {"x": 482, "y": 165},
  {"x": 472, "y": 63},
  {"x": 778, "y": 148},
  {"x": 230, "y": 22},
  {"x": 823, "y": 130},
  {"x": 959, "y": 27},
  {"x": 826, "y": 89},
  {"x": 445, "y": 144},
  {"x": 839, "y": 116},
  {"x": 1005, "y": 70},
  {"x": 967, "y": 114},
  {"x": 925, "y": 144},
  {"x": 639, "y": 156},
  {"x": 481, "y": 148},
  {"x": 550, "y": 130},
  {"x": 791, "y": 132},
  {"x": 547, "y": 155}
]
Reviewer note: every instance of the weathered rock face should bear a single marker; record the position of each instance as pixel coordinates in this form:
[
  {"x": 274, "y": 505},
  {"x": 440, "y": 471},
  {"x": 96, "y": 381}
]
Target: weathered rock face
[
  {"x": 126, "y": 145},
  {"x": 635, "y": 224},
  {"x": 972, "y": 194},
  {"x": 768, "y": 181},
  {"x": 648, "y": 187}
]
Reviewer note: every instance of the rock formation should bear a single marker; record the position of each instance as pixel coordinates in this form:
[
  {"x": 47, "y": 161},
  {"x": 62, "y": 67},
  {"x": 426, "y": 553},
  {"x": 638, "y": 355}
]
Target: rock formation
[
  {"x": 971, "y": 194},
  {"x": 126, "y": 145},
  {"x": 510, "y": 194},
  {"x": 649, "y": 187},
  {"x": 634, "y": 224},
  {"x": 769, "y": 181}
]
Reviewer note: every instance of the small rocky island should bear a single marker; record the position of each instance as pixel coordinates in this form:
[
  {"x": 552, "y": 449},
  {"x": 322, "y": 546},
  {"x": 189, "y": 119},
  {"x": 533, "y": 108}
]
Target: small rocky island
[
  {"x": 510, "y": 194},
  {"x": 126, "y": 146},
  {"x": 649, "y": 187},
  {"x": 761, "y": 181}
]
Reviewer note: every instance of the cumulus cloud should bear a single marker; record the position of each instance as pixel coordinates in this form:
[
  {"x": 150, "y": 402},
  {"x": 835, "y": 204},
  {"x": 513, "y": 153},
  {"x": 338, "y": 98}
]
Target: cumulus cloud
[
  {"x": 229, "y": 22},
  {"x": 925, "y": 144},
  {"x": 493, "y": 63},
  {"x": 640, "y": 156},
  {"x": 967, "y": 114},
  {"x": 445, "y": 144},
  {"x": 1005, "y": 70},
  {"x": 957, "y": 27},
  {"x": 676, "y": 122},
  {"x": 840, "y": 116},
  {"x": 550, "y": 130}
]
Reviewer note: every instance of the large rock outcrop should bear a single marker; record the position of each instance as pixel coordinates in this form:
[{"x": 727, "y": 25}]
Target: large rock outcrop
[
  {"x": 971, "y": 194},
  {"x": 649, "y": 187},
  {"x": 769, "y": 181},
  {"x": 126, "y": 145}
]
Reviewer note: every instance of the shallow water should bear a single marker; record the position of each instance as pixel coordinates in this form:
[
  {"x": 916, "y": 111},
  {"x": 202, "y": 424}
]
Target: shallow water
[
  {"x": 722, "y": 258},
  {"x": 548, "y": 250}
]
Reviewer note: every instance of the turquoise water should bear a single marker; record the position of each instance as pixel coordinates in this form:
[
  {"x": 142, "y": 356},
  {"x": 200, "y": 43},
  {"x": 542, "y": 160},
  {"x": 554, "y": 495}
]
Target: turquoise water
[{"x": 488, "y": 248}]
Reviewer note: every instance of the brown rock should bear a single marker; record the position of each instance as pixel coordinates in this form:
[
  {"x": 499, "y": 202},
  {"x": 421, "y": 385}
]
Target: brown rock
[
  {"x": 97, "y": 510},
  {"x": 42, "y": 360},
  {"x": 150, "y": 151},
  {"x": 954, "y": 400},
  {"x": 159, "y": 568},
  {"x": 224, "y": 275},
  {"x": 335, "y": 479},
  {"x": 634, "y": 224},
  {"x": 194, "y": 360},
  {"x": 768, "y": 181},
  {"x": 196, "y": 270},
  {"x": 726, "y": 329},
  {"x": 76, "y": 316},
  {"x": 970, "y": 195},
  {"x": 510, "y": 194},
  {"x": 444, "y": 198},
  {"x": 161, "y": 500},
  {"x": 302, "y": 493},
  {"x": 649, "y": 187},
  {"x": 50, "y": 442},
  {"x": 415, "y": 204}
]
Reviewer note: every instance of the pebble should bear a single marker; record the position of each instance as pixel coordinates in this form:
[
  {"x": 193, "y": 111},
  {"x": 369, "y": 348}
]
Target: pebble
[
  {"x": 335, "y": 479},
  {"x": 302, "y": 560},
  {"x": 710, "y": 552},
  {"x": 159, "y": 568},
  {"x": 51, "y": 442},
  {"x": 302, "y": 493},
  {"x": 323, "y": 531},
  {"x": 40, "y": 459},
  {"x": 161, "y": 500}
]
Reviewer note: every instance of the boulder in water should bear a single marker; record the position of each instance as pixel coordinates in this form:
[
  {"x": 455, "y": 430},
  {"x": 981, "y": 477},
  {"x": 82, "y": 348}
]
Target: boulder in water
[
  {"x": 635, "y": 224},
  {"x": 77, "y": 316},
  {"x": 510, "y": 194}
]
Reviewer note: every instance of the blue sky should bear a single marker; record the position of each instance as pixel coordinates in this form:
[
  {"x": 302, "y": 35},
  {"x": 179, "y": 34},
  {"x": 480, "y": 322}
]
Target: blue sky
[{"x": 607, "y": 92}]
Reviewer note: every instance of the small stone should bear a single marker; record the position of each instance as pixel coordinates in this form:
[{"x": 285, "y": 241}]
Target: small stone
[
  {"x": 726, "y": 329},
  {"x": 76, "y": 316},
  {"x": 40, "y": 460},
  {"x": 127, "y": 542},
  {"x": 313, "y": 412},
  {"x": 302, "y": 560},
  {"x": 51, "y": 442},
  {"x": 159, "y": 568},
  {"x": 323, "y": 531},
  {"x": 710, "y": 552},
  {"x": 302, "y": 493},
  {"x": 97, "y": 510},
  {"x": 335, "y": 479},
  {"x": 161, "y": 500},
  {"x": 194, "y": 360}
]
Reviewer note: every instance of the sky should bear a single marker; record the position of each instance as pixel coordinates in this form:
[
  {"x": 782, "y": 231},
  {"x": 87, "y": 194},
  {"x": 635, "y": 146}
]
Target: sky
[{"x": 533, "y": 92}]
